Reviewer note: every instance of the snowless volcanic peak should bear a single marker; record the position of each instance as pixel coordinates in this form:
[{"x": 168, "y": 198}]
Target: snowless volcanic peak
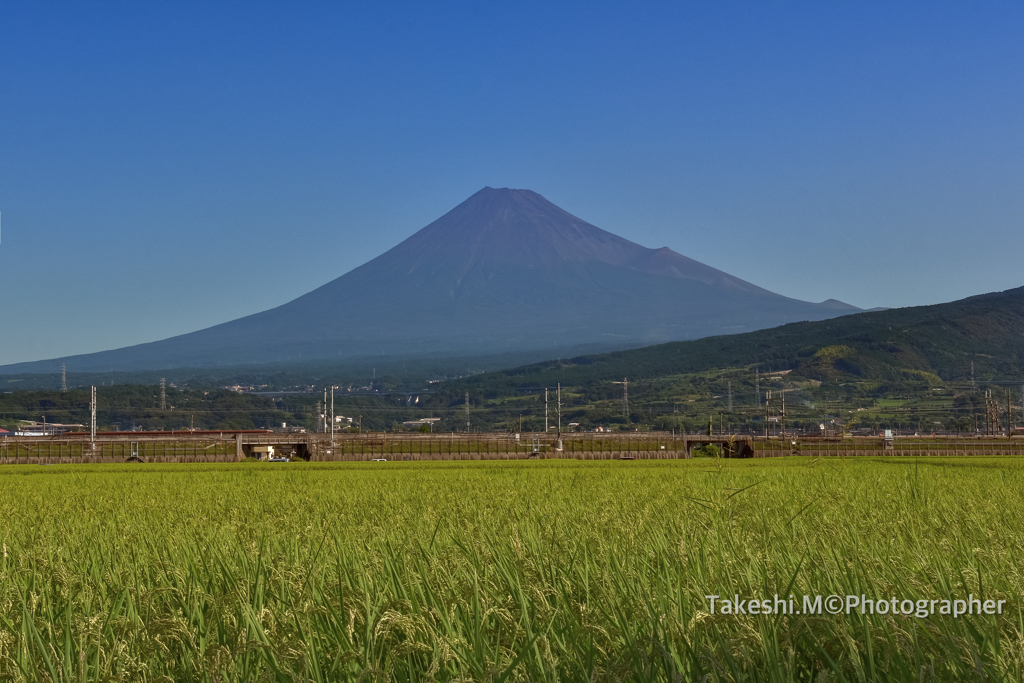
[
  {"x": 522, "y": 229},
  {"x": 505, "y": 270},
  {"x": 516, "y": 224},
  {"x": 508, "y": 227}
]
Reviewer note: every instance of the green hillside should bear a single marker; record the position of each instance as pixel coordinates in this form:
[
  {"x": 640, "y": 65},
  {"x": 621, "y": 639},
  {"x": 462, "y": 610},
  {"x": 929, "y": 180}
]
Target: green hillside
[
  {"x": 908, "y": 367},
  {"x": 939, "y": 341}
]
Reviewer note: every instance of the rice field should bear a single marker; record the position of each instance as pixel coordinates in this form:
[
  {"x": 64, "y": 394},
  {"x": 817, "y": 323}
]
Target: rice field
[{"x": 508, "y": 571}]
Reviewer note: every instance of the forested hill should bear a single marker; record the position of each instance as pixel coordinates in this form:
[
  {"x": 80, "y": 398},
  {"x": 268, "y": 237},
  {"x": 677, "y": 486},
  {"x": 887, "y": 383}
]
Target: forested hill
[{"x": 939, "y": 341}]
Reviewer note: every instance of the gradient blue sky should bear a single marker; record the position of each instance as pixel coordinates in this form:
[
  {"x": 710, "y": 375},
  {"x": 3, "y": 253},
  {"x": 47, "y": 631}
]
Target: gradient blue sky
[{"x": 165, "y": 166}]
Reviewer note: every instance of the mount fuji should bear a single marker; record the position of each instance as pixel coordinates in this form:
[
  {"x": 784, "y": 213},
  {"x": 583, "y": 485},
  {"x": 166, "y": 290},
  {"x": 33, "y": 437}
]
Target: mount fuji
[{"x": 504, "y": 271}]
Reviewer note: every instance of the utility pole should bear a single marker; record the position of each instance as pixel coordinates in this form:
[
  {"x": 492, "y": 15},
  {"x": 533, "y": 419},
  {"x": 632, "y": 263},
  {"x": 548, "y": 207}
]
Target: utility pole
[
  {"x": 558, "y": 403},
  {"x": 92, "y": 421},
  {"x": 987, "y": 411},
  {"x": 997, "y": 422},
  {"x": 972, "y": 374},
  {"x": 767, "y": 410},
  {"x": 988, "y": 414},
  {"x": 63, "y": 378},
  {"x": 993, "y": 415},
  {"x": 1009, "y": 416},
  {"x": 163, "y": 394},
  {"x": 783, "y": 410},
  {"x": 332, "y": 417},
  {"x": 545, "y": 410},
  {"x": 990, "y": 421},
  {"x": 559, "y": 410},
  {"x": 993, "y": 423},
  {"x": 625, "y": 397},
  {"x": 730, "y": 396},
  {"x": 467, "y": 411},
  {"x": 325, "y": 410},
  {"x": 757, "y": 387}
]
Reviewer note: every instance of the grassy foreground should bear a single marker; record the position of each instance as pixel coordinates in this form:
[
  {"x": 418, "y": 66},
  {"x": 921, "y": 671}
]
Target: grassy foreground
[{"x": 546, "y": 570}]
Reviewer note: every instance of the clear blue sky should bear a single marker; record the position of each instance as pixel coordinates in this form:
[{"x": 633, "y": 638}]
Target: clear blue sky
[{"x": 165, "y": 166}]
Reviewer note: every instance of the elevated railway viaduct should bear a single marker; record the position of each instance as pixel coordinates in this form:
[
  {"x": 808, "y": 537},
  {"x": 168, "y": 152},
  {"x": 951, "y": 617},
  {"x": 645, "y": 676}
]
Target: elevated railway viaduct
[{"x": 234, "y": 446}]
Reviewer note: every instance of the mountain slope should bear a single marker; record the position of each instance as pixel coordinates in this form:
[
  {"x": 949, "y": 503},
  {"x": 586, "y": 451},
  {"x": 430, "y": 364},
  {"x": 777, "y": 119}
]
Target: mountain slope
[
  {"x": 981, "y": 335},
  {"x": 504, "y": 271}
]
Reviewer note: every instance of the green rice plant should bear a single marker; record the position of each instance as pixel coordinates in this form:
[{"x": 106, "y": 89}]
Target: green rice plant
[{"x": 551, "y": 570}]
